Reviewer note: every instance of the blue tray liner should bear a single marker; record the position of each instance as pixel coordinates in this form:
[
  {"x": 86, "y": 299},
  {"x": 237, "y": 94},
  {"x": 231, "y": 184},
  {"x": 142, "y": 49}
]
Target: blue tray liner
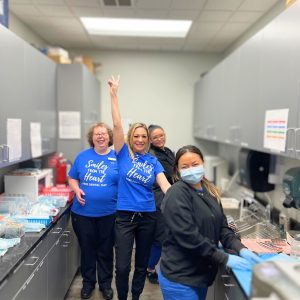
[{"x": 244, "y": 276}]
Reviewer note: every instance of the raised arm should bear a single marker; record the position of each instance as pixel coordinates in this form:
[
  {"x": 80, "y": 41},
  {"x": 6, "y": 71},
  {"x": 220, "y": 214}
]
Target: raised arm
[{"x": 116, "y": 116}]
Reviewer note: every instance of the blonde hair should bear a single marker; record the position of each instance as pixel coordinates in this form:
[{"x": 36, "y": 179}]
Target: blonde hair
[
  {"x": 91, "y": 132},
  {"x": 210, "y": 187},
  {"x": 130, "y": 134}
]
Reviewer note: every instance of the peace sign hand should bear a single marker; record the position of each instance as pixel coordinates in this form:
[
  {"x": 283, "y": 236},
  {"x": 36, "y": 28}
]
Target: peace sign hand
[{"x": 113, "y": 85}]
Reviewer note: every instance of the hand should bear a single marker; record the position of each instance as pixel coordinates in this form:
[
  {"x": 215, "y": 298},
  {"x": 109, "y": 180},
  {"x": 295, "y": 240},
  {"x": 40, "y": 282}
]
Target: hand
[
  {"x": 80, "y": 196},
  {"x": 236, "y": 262},
  {"x": 250, "y": 256},
  {"x": 113, "y": 84}
]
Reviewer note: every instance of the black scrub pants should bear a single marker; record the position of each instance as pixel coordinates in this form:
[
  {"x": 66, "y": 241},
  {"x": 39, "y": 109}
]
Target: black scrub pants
[
  {"x": 130, "y": 226},
  {"x": 96, "y": 239}
]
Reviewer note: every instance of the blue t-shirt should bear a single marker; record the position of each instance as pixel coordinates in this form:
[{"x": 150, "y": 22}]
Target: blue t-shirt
[
  {"x": 137, "y": 177},
  {"x": 98, "y": 178}
]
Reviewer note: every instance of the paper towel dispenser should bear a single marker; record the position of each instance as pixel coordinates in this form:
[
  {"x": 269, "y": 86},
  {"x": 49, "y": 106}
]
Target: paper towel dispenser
[{"x": 254, "y": 170}]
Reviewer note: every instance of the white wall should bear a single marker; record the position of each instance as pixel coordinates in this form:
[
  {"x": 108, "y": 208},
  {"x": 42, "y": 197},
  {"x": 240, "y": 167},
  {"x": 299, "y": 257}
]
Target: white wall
[
  {"x": 154, "y": 88},
  {"x": 24, "y": 32}
]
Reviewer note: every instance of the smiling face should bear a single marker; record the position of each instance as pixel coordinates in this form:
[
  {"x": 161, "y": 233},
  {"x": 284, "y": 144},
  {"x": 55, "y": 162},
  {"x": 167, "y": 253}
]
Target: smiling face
[
  {"x": 158, "y": 138},
  {"x": 139, "y": 140},
  {"x": 100, "y": 139}
]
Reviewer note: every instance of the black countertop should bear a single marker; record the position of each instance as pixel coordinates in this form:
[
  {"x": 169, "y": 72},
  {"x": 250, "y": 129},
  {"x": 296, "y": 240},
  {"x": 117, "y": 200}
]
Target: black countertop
[{"x": 15, "y": 255}]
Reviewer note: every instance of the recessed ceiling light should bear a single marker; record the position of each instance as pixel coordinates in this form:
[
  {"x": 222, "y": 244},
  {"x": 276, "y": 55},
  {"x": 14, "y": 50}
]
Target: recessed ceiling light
[{"x": 137, "y": 27}]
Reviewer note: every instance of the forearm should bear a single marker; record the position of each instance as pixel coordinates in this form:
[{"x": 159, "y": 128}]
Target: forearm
[
  {"x": 115, "y": 111},
  {"x": 74, "y": 184}
]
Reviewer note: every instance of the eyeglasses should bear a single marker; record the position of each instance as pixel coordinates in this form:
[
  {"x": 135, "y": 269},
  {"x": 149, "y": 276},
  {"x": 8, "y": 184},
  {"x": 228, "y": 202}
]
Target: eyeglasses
[
  {"x": 104, "y": 134},
  {"x": 158, "y": 137}
]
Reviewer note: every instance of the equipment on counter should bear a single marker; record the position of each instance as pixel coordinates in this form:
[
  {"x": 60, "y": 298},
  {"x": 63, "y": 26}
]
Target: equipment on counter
[
  {"x": 291, "y": 188},
  {"x": 216, "y": 168},
  {"x": 277, "y": 278},
  {"x": 254, "y": 170}
]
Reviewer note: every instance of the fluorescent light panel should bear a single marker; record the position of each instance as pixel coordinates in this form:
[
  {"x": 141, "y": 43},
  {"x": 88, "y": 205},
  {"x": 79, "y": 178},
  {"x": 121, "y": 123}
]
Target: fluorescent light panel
[{"x": 137, "y": 27}]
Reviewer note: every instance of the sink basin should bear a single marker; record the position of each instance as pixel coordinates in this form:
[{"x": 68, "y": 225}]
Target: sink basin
[{"x": 262, "y": 230}]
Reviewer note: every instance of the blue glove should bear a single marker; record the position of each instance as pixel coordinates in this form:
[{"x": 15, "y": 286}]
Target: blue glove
[
  {"x": 236, "y": 262},
  {"x": 250, "y": 256}
]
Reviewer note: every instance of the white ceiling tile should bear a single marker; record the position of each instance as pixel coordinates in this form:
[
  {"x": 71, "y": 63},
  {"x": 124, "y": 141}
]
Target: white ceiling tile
[
  {"x": 126, "y": 46},
  {"x": 201, "y": 34},
  {"x": 183, "y": 14},
  {"x": 118, "y": 12},
  {"x": 149, "y": 47},
  {"x": 187, "y": 4},
  {"x": 19, "y": 2},
  {"x": 55, "y": 11},
  {"x": 258, "y": 5},
  {"x": 36, "y": 21},
  {"x": 215, "y": 16},
  {"x": 124, "y": 40},
  {"x": 235, "y": 27},
  {"x": 223, "y": 4},
  {"x": 50, "y": 2},
  {"x": 102, "y": 41},
  {"x": 245, "y": 16},
  {"x": 208, "y": 26},
  {"x": 216, "y": 23},
  {"x": 193, "y": 47},
  {"x": 87, "y": 11},
  {"x": 175, "y": 44},
  {"x": 24, "y": 10},
  {"x": 69, "y": 26},
  {"x": 86, "y": 3},
  {"x": 151, "y": 14},
  {"x": 153, "y": 4}
]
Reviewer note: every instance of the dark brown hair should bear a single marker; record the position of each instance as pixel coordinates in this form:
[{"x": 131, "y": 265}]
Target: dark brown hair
[{"x": 211, "y": 188}]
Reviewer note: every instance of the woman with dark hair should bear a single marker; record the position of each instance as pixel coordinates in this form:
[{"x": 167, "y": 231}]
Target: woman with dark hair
[
  {"x": 94, "y": 179},
  {"x": 167, "y": 158},
  {"x": 136, "y": 216},
  {"x": 195, "y": 224}
]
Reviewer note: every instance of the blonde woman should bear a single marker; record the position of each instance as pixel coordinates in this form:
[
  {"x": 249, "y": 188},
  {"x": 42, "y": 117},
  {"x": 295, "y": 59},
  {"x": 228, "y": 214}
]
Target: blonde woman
[
  {"x": 195, "y": 224},
  {"x": 136, "y": 217}
]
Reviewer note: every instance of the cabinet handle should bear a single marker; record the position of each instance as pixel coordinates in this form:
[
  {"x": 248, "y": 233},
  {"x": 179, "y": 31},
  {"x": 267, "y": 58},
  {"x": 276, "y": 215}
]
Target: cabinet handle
[
  {"x": 35, "y": 259},
  {"x": 1, "y": 153},
  {"x": 5, "y": 151},
  {"x": 229, "y": 284},
  {"x": 59, "y": 229},
  {"x": 290, "y": 140},
  {"x": 297, "y": 141}
]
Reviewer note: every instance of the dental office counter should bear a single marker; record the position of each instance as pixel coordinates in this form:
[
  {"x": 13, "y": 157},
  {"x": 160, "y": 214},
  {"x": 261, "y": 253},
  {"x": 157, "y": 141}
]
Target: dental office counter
[{"x": 43, "y": 265}]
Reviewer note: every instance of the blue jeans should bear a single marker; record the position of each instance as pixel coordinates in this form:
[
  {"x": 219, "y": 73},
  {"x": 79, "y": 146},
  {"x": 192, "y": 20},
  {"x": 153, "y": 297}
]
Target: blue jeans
[{"x": 177, "y": 291}]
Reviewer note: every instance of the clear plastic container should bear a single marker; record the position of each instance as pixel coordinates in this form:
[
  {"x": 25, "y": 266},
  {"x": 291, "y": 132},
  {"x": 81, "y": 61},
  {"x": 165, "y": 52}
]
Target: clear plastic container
[{"x": 295, "y": 248}]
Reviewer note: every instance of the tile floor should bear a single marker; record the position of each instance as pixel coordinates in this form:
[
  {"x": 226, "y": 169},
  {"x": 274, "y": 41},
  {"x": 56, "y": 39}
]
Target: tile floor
[{"x": 151, "y": 291}]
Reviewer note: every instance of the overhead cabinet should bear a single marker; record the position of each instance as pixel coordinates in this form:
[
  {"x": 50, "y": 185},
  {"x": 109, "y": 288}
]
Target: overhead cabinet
[
  {"x": 28, "y": 93},
  {"x": 263, "y": 74},
  {"x": 78, "y": 91}
]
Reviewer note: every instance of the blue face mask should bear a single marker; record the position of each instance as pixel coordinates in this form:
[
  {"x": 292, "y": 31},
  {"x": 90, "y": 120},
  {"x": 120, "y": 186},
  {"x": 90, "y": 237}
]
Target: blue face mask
[{"x": 192, "y": 175}]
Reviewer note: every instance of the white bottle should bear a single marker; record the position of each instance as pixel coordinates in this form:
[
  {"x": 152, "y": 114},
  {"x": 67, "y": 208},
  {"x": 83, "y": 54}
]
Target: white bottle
[{"x": 295, "y": 248}]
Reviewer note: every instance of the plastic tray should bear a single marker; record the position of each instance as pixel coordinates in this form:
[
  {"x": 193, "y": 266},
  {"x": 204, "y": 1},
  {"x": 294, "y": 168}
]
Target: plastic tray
[{"x": 43, "y": 220}]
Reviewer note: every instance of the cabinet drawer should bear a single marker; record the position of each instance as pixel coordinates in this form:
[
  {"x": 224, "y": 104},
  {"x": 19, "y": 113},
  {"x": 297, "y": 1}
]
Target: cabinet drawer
[{"x": 15, "y": 281}]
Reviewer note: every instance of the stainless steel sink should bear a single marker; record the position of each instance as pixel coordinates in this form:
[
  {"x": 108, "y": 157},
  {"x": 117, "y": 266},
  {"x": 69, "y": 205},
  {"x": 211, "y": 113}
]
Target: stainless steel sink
[{"x": 262, "y": 230}]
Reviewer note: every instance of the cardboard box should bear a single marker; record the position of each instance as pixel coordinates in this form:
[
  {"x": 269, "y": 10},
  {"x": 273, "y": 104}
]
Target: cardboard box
[
  {"x": 59, "y": 59},
  {"x": 86, "y": 60}
]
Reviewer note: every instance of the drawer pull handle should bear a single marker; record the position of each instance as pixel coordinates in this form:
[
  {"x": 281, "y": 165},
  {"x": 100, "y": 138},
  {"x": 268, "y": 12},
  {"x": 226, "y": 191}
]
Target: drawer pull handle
[
  {"x": 59, "y": 229},
  {"x": 35, "y": 259}
]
